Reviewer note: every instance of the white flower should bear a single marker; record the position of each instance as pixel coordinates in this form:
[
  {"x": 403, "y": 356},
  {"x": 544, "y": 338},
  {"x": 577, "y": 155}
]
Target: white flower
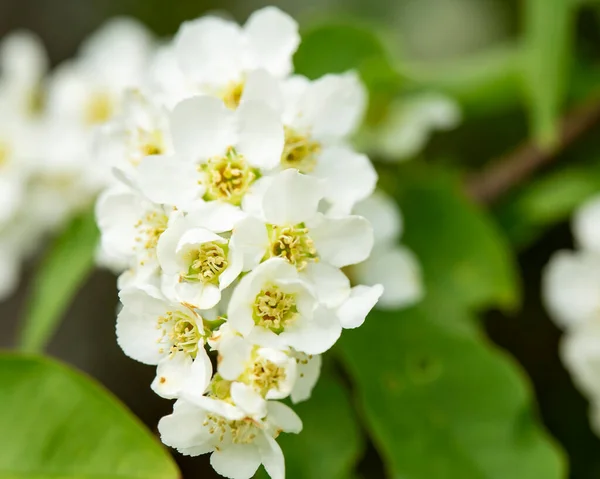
[
  {"x": 153, "y": 330},
  {"x": 88, "y": 89},
  {"x": 141, "y": 129},
  {"x": 390, "y": 264},
  {"x": 318, "y": 118},
  {"x": 200, "y": 255},
  {"x": 580, "y": 351},
  {"x": 23, "y": 63},
  {"x": 291, "y": 227},
  {"x": 218, "y": 153},
  {"x": 266, "y": 372},
  {"x": 131, "y": 225},
  {"x": 239, "y": 445},
  {"x": 274, "y": 307},
  {"x": 217, "y": 55},
  {"x": 409, "y": 124},
  {"x": 571, "y": 282},
  {"x": 586, "y": 225}
]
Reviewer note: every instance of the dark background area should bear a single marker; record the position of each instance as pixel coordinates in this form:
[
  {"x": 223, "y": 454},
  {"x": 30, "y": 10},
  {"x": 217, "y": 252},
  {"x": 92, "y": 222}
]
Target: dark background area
[{"x": 86, "y": 338}]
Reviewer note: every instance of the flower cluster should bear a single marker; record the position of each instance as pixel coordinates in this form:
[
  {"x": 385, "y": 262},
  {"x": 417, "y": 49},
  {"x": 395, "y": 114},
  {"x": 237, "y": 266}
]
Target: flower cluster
[
  {"x": 571, "y": 285},
  {"x": 48, "y": 121},
  {"x": 236, "y": 222}
]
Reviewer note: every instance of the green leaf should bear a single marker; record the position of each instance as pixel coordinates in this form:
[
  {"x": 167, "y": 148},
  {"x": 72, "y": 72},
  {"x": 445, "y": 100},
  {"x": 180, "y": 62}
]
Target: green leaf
[
  {"x": 339, "y": 47},
  {"x": 531, "y": 210},
  {"x": 67, "y": 265},
  {"x": 483, "y": 82},
  {"x": 440, "y": 403},
  {"x": 463, "y": 254},
  {"x": 330, "y": 443},
  {"x": 546, "y": 63},
  {"x": 59, "y": 424}
]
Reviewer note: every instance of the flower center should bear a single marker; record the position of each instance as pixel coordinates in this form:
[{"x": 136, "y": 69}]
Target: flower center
[
  {"x": 242, "y": 431},
  {"x": 266, "y": 375},
  {"x": 181, "y": 331},
  {"x": 294, "y": 244},
  {"x": 232, "y": 94},
  {"x": 274, "y": 309},
  {"x": 99, "y": 108},
  {"x": 149, "y": 228},
  {"x": 227, "y": 178},
  {"x": 4, "y": 153},
  {"x": 145, "y": 143},
  {"x": 299, "y": 151},
  {"x": 35, "y": 101},
  {"x": 207, "y": 263}
]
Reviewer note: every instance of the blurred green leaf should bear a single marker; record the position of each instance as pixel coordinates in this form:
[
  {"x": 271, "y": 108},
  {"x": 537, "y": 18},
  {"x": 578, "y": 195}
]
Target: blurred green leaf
[
  {"x": 339, "y": 47},
  {"x": 58, "y": 423},
  {"x": 440, "y": 403},
  {"x": 527, "y": 213},
  {"x": 330, "y": 443},
  {"x": 68, "y": 263},
  {"x": 462, "y": 252},
  {"x": 482, "y": 82},
  {"x": 546, "y": 63}
]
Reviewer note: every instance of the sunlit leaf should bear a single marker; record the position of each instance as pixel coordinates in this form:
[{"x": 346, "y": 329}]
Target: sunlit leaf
[
  {"x": 441, "y": 403},
  {"x": 57, "y": 423}
]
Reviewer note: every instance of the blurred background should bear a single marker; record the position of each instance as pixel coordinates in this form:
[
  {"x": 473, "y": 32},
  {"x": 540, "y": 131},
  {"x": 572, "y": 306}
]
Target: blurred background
[{"x": 436, "y": 35}]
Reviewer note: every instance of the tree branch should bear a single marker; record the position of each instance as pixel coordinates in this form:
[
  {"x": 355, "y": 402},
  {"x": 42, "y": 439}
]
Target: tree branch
[{"x": 510, "y": 170}]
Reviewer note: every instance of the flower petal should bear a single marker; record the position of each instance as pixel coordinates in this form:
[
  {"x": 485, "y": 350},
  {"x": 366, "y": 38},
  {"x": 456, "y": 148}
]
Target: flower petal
[
  {"x": 202, "y": 127},
  {"x": 398, "y": 271},
  {"x": 215, "y": 216},
  {"x": 308, "y": 372},
  {"x": 273, "y": 38},
  {"x": 180, "y": 429},
  {"x": 332, "y": 107},
  {"x": 271, "y": 456},
  {"x": 236, "y": 461},
  {"x": 233, "y": 355},
  {"x": 261, "y": 86},
  {"x": 283, "y": 417},
  {"x": 250, "y": 237},
  {"x": 168, "y": 180},
  {"x": 248, "y": 400},
  {"x": 586, "y": 225},
  {"x": 349, "y": 176},
  {"x": 260, "y": 134},
  {"x": 330, "y": 284},
  {"x": 570, "y": 287},
  {"x": 291, "y": 198},
  {"x": 137, "y": 333},
  {"x": 342, "y": 241},
  {"x": 210, "y": 50},
  {"x": 171, "y": 375},
  {"x": 385, "y": 217},
  {"x": 353, "y": 312},
  {"x": 314, "y": 336}
]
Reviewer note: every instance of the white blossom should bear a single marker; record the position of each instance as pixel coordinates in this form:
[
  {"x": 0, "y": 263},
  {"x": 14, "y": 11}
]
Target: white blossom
[
  {"x": 155, "y": 331},
  {"x": 239, "y": 444}
]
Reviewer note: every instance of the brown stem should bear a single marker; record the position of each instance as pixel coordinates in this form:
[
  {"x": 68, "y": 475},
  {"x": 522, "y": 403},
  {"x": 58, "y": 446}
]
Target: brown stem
[{"x": 506, "y": 172}]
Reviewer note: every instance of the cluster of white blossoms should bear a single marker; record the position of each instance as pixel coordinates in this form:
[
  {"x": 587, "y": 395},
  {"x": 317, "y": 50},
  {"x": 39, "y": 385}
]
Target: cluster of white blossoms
[
  {"x": 571, "y": 285},
  {"x": 243, "y": 224},
  {"x": 48, "y": 122}
]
